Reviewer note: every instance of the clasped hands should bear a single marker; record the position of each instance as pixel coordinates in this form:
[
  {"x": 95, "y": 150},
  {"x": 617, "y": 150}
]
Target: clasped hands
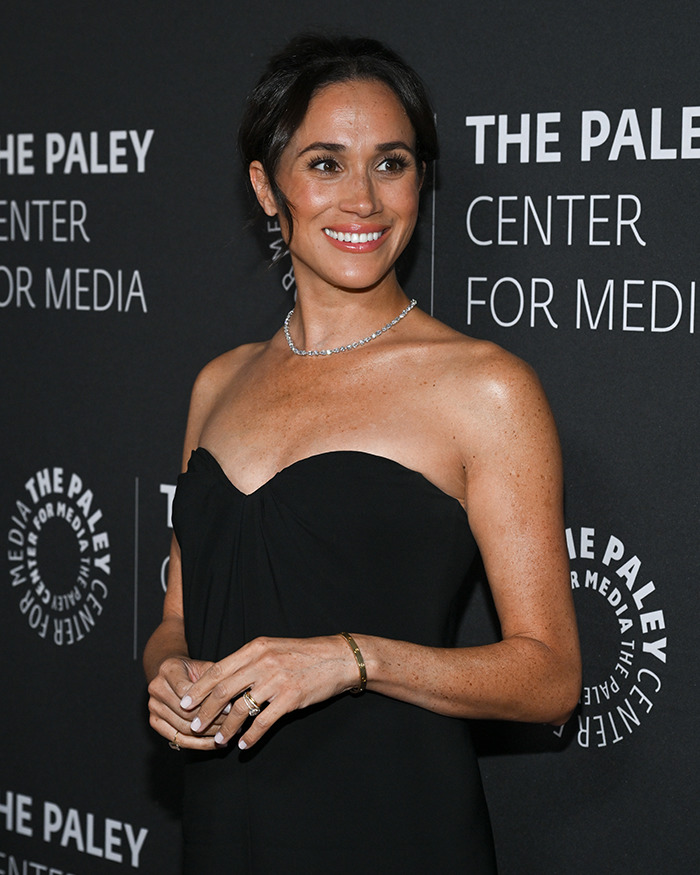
[{"x": 203, "y": 701}]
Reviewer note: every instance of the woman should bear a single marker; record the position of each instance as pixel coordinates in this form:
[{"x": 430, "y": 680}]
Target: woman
[{"x": 340, "y": 478}]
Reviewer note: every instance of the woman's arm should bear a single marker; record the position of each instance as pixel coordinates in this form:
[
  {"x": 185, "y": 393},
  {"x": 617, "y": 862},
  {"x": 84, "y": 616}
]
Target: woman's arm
[
  {"x": 513, "y": 494},
  {"x": 168, "y": 640},
  {"x": 514, "y": 498},
  {"x": 169, "y": 670}
]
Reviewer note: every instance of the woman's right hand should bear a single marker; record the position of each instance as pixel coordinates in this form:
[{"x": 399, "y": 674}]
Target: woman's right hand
[{"x": 176, "y": 675}]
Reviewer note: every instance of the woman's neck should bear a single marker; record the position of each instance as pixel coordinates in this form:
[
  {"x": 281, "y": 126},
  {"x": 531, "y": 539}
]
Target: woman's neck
[{"x": 337, "y": 317}]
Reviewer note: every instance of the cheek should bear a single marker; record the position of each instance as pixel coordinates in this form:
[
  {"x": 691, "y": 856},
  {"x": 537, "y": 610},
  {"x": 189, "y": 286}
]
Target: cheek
[
  {"x": 408, "y": 204},
  {"x": 306, "y": 203},
  {"x": 304, "y": 197},
  {"x": 310, "y": 200}
]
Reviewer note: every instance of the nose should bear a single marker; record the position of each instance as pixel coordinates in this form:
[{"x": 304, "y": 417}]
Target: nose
[{"x": 359, "y": 195}]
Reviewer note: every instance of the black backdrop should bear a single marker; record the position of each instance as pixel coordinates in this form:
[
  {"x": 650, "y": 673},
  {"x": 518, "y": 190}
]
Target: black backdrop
[{"x": 562, "y": 224}]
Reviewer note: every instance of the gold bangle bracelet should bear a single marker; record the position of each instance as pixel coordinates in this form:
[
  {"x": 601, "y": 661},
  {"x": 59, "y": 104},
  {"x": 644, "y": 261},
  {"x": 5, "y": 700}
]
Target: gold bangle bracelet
[{"x": 360, "y": 663}]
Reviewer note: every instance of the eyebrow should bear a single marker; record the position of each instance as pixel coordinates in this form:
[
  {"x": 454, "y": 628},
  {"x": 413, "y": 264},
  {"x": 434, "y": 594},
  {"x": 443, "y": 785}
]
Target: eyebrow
[
  {"x": 339, "y": 147},
  {"x": 393, "y": 145},
  {"x": 322, "y": 147}
]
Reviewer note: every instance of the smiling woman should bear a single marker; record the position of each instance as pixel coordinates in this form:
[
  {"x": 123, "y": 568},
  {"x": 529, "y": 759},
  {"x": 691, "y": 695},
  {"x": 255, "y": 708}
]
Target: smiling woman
[
  {"x": 349, "y": 171},
  {"x": 321, "y": 535}
]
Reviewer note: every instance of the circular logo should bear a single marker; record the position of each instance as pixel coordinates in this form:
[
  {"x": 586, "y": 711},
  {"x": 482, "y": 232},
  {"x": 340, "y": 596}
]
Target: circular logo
[
  {"x": 623, "y": 637},
  {"x": 59, "y": 555}
]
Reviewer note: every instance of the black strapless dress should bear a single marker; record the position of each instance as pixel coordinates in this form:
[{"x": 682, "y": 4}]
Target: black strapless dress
[{"x": 342, "y": 541}]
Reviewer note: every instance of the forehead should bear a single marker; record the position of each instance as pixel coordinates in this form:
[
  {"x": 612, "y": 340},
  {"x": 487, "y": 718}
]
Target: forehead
[{"x": 357, "y": 108}]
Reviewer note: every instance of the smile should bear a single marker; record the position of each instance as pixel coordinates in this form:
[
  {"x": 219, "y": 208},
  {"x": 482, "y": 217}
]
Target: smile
[{"x": 347, "y": 237}]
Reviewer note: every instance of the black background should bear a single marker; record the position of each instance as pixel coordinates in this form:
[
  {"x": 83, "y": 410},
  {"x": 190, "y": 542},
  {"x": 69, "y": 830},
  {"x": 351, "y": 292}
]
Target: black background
[{"x": 104, "y": 394}]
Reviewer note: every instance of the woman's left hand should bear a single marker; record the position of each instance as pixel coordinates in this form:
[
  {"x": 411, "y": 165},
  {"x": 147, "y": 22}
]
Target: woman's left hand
[{"x": 280, "y": 675}]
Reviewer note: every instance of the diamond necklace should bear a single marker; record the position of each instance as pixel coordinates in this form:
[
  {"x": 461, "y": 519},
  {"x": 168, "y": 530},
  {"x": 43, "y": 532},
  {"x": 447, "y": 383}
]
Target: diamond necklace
[{"x": 348, "y": 346}]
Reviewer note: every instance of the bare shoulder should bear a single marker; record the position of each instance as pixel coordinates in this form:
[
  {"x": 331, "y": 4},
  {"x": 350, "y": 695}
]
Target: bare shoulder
[
  {"x": 218, "y": 373},
  {"x": 502, "y": 428},
  {"x": 500, "y": 380},
  {"x": 515, "y": 425},
  {"x": 480, "y": 369},
  {"x": 212, "y": 383},
  {"x": 494, "y": 398}
]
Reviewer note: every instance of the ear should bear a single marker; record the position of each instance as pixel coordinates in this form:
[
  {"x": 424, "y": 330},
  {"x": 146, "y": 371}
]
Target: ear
[{"x": 262, "y": 189}]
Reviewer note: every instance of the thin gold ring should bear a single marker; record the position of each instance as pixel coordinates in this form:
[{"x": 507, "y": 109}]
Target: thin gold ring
[
  {"x": 253, "y": 707},
  {"x": 173, "y": 744}
]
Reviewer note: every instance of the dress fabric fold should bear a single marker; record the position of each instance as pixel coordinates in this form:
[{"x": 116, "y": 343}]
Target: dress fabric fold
[{"x": 342, "y": 541}]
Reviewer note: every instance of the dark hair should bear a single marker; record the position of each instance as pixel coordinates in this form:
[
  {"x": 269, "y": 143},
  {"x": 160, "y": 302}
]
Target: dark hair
[{"x": 278, "y": 103}]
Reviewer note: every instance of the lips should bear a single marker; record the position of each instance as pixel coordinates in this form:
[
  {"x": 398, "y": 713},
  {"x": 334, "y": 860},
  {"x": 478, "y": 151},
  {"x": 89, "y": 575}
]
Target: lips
[
  {"x": 356, "y": 239},
  {"x": 352, "y": 237}
]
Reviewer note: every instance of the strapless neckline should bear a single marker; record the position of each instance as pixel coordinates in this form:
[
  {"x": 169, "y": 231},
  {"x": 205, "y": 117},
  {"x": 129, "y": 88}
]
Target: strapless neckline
[
  {"x": 371, "y": 458},
  {"x": 350, "y": 540}
]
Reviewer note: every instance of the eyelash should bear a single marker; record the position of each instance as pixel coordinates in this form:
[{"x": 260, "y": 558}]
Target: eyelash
[
  {"x": 322, "y": 159},
  {"x": 397, "y": 159}
]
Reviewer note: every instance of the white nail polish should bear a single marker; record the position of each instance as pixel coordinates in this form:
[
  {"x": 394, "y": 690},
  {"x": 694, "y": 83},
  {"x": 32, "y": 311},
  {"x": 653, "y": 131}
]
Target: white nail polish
[
  {"x": 242, "y": 744},
  {"x": 195, "y": 724},
  {"x": 218, "y": 738},
  {"x": 186, "y": 701}
]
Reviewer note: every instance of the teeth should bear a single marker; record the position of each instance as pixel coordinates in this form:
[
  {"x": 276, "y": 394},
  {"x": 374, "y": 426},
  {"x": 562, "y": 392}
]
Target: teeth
[{"x": 354, "y": 237}]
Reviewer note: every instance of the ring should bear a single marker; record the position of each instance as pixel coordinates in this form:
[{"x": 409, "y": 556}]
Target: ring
[
  {"x": 173, "y": 744},
  {"x": 253, "y": 707}
]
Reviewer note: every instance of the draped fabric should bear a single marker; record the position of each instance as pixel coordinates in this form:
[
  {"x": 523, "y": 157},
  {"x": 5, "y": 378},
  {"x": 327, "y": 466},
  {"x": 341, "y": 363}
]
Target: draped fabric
[{"x": 338, "y": 541}]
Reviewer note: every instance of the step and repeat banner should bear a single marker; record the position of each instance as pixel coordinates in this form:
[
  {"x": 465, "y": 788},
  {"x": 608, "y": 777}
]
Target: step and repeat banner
[{"x": 561, "y": 222}]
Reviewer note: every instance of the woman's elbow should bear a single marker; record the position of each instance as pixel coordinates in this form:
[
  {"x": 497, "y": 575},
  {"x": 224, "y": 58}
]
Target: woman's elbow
[{"x": 568, "y": 692}]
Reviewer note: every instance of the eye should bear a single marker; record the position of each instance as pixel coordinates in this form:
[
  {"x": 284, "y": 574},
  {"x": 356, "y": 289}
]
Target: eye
[
  {"x": 327, "y": 164},
  {"x": 393, "y": 164}
]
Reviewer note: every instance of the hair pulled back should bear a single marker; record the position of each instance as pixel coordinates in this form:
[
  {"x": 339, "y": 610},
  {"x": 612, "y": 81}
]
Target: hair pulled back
[{"x": 278, "y": 103}]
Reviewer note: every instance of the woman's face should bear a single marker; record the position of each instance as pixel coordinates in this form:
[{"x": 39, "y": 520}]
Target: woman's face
[{"x": 352, "y": 182}]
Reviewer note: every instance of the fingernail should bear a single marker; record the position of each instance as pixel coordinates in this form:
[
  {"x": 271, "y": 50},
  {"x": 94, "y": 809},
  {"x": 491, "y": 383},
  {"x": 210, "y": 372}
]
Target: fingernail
[
  {"x": 219, "y": 738},
  {"x": 227, "y": 709},
  {"x": 195, "y": 724},
  {"x": 186, "y": 701},
  {"x": 242, "y": 744}
]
